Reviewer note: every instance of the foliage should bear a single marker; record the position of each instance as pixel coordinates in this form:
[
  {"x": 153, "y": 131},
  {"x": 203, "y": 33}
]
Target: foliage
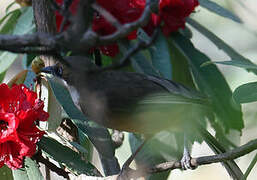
[{"x": 171, "y": 55}]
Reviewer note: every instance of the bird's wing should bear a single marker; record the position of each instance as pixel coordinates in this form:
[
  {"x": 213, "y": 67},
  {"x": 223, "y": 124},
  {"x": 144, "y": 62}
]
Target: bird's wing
[{"x": 176, "y": 88}]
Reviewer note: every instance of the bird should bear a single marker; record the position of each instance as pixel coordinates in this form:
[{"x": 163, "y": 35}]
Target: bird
[
  {"x": 128, "y": 101},
  {"x": 131, "y": 101}
]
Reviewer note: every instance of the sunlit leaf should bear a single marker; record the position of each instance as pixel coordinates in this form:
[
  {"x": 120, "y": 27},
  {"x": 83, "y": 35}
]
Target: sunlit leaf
[
  {"x": 24, "y": 25},
  {"x": 9, "y": 6},
  {"x": 25, "y": 22},
  {"x": 10, "y": 20},
  {"x": 236, "y": 63},
  {"x": 217, "y": 9},
  {"x": 18, "y": 79},
  {"x": 222, "y": 45},
  {"x": 6, "y": 60},
  {"x": 32, "y": 169},
  {"x": 29, "y": 172},
  {"x": 20, "y": 174}
]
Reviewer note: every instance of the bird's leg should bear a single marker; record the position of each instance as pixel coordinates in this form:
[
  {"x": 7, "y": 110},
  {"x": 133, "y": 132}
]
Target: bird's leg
[
  {"x": 126, "y": 165},
  {"x": 186, "y": 159}
]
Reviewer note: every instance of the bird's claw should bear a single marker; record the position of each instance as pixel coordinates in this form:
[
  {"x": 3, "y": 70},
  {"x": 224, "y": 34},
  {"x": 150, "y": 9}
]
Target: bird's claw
[{"x": 186, "y": 162}]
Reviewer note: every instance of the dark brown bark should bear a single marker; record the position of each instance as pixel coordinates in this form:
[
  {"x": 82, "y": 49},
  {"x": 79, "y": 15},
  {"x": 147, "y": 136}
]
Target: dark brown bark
[{"x": 44, "y": 17}]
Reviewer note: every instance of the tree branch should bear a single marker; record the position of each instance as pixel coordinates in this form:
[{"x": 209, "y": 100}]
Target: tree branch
[
  {"x": 125, "y": 59},
  {"x": 46, "y": 39},
  {"x": 171, "y": 165}
]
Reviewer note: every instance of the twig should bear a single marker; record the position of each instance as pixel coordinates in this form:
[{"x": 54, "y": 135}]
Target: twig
[
  {"x": 124, "y": 30},
  {"x": 108, "y": 16},
  {"x": 65, "y": 13},
  {"x": 171, "y": 165},
  {"x": 63, "y": 41},
  {"x": 125, "y": 59},
  {"x": 250, "y": 167}
]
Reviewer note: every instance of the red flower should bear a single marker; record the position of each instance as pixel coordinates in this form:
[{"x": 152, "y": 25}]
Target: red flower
[
  {"x": 59, "y": 17},
  {"x": 122, "y": 10},
  {"x": 20, "y": 110},
  {"x": 172, "y": 12}
]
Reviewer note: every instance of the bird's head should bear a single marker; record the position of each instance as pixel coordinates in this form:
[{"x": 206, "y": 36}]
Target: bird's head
[
  {"x": 55, "y": 70},
  {"x": 73, "y": 65}
]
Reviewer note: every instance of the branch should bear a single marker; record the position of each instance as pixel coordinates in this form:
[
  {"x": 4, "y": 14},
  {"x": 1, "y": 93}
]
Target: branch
[
  {"x": 125, "y": 59},
  {"x": 64, "y": 41},
  {"x": 124, "y": 30},
  {"x": 171, "y": 165},
  {"x": 108, "y": 16}
]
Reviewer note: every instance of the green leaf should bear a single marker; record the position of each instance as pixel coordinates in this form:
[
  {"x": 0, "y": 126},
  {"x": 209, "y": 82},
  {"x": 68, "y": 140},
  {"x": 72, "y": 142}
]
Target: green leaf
[
  {"x": 6, "y": 60},
  {"x": 211, "y": 82},
  {"x": 6, "y": 16},
  {"x": 222, "y": 45},
  {"x": 138, "y": 61},
  {"x": 10, "y": 22},
  {"x": 67, "y": 157},
  {"x": 20, "y": 174},
  {"x": 236, "y": 63},
  {"x": 159, "y": 54},
  {"x": 9, "y": 7},
  {"x": 246, "y": 93},
  {"x": 250, "y": 167},
  {"x": 19, "y": 78},
  {"x": 2, "y": 75},
  {"x": 219, "y": 10},
  {"x": 161, "y": 57},
  {"x": 25, "y": 23},
  {"x": 98, "y": 135},
  {"x": 29, "y": 172},
  {"x": 32, "y": 169},
  {"x": 180, "y": 68},
  {"x": 6, "y": 173}
]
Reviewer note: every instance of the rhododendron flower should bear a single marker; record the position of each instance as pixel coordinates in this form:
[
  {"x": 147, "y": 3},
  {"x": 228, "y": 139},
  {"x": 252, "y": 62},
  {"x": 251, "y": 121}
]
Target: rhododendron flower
[
  {"x": 172, "y": 12},
  {"x": 20, "y": 111},
  {"x": 122, "y": 10}
]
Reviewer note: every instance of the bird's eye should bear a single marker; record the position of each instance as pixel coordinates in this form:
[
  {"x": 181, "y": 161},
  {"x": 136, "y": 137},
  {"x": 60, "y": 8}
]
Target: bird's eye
[{"x": 59, "y": 71}]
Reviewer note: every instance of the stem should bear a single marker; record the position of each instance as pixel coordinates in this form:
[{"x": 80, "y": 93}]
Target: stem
[{"x": 250, "y": 167}]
